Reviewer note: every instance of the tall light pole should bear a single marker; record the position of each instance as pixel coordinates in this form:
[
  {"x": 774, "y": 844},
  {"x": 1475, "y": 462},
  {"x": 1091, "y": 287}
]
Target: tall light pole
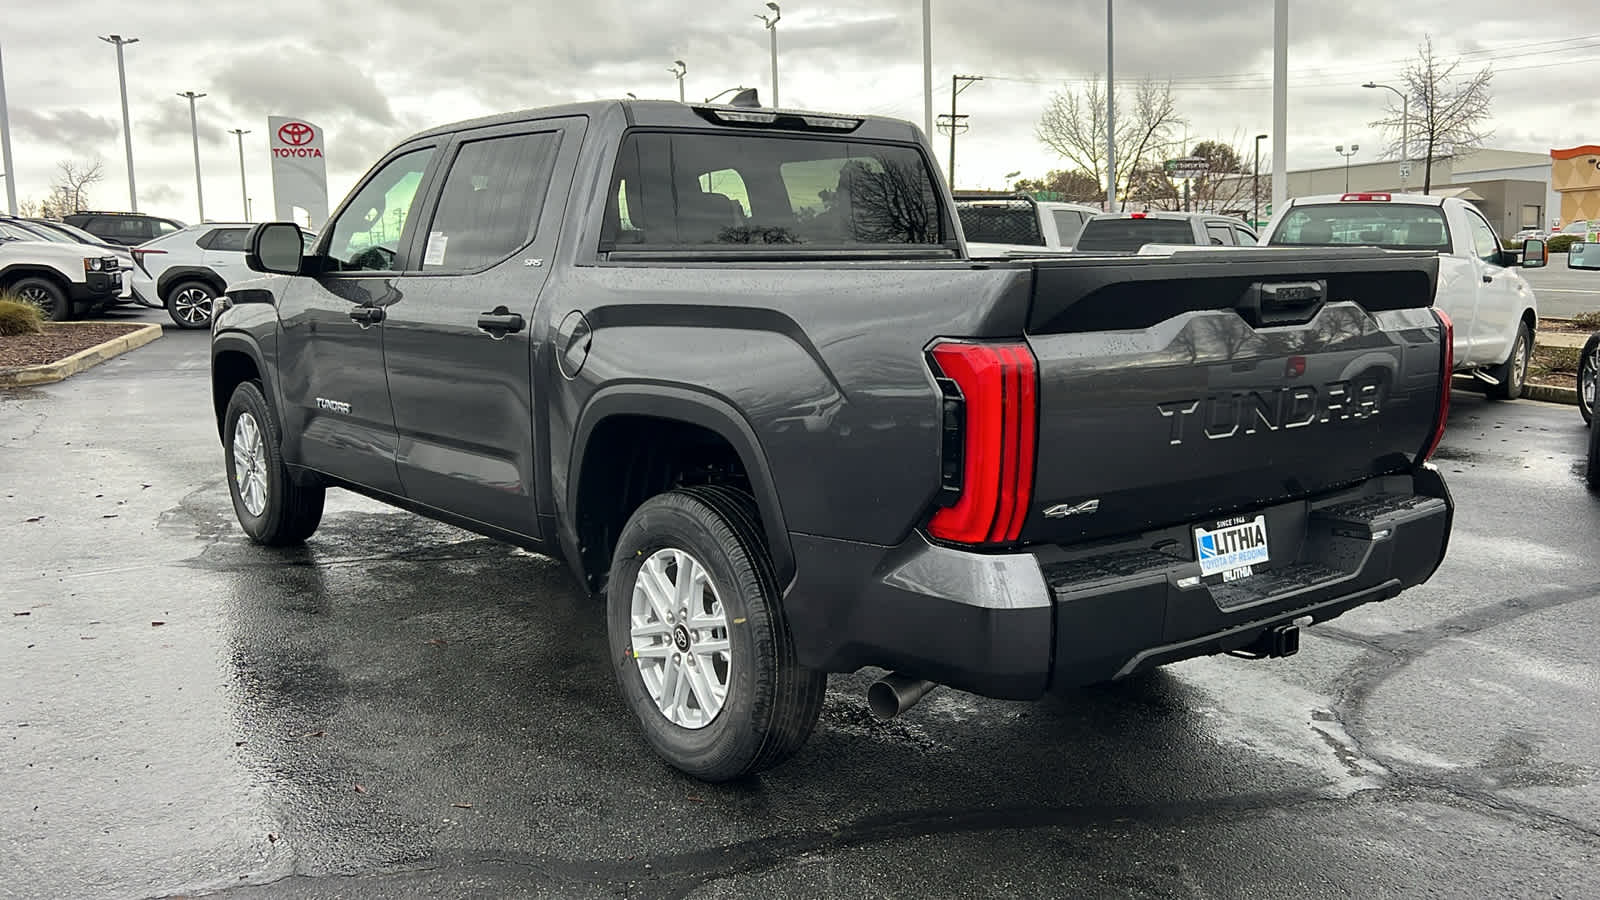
[
  {"x": 1405, "y": 128},
  {"x": 244, "y": 192},
  {"x": 5, "y": 145},
  {"x": 127, "y": 133},
  {"x": 927, "y": 67},
  {"x": 1111, "y": 116},
  {"x": 1280, "y": 103},
  {"x": 678, "y": 70},
  {"x": 194, "y": 131},
  {"x": 1255, "y": 186},
  {"x": 771, "y": 24},
  {"x": 1352, "y": 152}
]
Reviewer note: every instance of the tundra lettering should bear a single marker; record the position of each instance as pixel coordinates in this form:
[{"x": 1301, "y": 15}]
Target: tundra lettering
[{"x": 1227, "y": 415}]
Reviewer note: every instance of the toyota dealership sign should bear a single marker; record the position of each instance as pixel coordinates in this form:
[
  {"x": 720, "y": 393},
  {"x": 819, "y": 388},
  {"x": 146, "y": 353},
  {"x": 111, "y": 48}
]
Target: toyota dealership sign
[{"x": 299, "y": 170}]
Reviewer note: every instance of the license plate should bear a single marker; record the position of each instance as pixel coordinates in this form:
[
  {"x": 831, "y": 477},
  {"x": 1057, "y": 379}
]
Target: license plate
[{"x": 1236, "y": 544}]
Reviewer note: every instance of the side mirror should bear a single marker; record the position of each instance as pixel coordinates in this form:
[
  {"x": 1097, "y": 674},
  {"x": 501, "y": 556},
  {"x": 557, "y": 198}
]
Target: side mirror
[
  {"x": 1583, "y": 256},
  {"x": 274, "y": 248},
  {"x": 1534, "y": 254}
]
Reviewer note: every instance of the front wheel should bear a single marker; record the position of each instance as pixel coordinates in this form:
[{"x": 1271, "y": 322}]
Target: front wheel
[
  {"x": 1588, "y": 374},
  {"x": 1513, "y": 373},
  {"x": 190, "y": 304},
  {"x": 1591, "y": 469},
  {"x": 698, "y": 640},
  {"x": 45, "y": 294},
  {"x": 271, "y": 508}
]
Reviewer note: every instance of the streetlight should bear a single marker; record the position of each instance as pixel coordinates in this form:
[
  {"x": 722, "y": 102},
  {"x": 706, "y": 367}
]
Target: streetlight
[
  {"x": 244, "y": 192},
  {"x": 1405, "y": 126},
  {"x": 194, "y": 131},
  {"x": 127, "y": 134},
  {"x": 1341, "y": 151},
  {"x": 772, "y": 26},
  {"x": 678, "y": 70},
  {"x": 1255, "y": 186},
  {"x": 5, "y": 145}
]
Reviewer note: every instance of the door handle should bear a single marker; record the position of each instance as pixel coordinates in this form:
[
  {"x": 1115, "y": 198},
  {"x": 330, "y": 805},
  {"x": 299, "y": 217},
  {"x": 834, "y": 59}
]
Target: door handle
[
  {"x": 367, "y": 315},
  {"x": 500, "y": 321},
  {"x": 1487, "y": 279}
]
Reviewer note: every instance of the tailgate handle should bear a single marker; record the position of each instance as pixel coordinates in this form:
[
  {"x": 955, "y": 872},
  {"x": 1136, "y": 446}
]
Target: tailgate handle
[{"x": 1268, "y": 303}]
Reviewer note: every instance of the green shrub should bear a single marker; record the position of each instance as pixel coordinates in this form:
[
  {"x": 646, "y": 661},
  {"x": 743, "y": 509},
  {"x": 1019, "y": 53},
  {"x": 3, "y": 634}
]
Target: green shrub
[
  {"x": 19, "y": 317},
  {"x": 1561, "y": 242}
]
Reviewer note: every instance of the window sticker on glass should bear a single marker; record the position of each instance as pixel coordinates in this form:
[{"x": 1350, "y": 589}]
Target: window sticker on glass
[{"x": 437, "y": 241}]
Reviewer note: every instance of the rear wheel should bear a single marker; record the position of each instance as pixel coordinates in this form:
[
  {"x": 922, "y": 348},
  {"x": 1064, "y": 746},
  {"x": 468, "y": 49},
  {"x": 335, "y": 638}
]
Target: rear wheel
[
  {"x": 271, "y": 508},
  {"x": 1513, "y": 373},
  {"x": 1591, "y": 470},
  {"x": 45, "y": 294},
  {"x": 1588, "y": 374},
  {"x": 698, "y": 640},
  {"x": 190, "y": 303}
]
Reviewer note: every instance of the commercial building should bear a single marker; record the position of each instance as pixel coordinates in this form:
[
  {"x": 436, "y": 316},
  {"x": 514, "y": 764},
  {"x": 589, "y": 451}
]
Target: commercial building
[
  {"x": 1575, "y": 176},
  {"x": 1512, "y": 188}
]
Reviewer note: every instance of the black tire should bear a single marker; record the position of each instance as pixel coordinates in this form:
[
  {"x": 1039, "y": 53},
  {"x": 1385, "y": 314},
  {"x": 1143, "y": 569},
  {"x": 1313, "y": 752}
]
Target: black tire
[
  {"x": 46, "y": 294},
  {"x": 772, "y": 702},
  {"x": 1513, "y": 373},
  {"x": 191, "y": 303},
  {"x": 1591, "y": 470},
  {"x": 289, "y": 512},
  {"x": 1588, "y": 373}
]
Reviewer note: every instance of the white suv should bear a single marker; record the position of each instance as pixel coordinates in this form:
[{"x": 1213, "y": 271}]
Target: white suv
[
  {"x": 61, "y": 279},
  {"x": 187, "y": 270}
]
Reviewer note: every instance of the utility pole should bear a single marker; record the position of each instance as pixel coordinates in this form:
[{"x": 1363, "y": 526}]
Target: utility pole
[
  {"x": 127, "y": 133},
  {"x": 9, "y": 174},
  {"x": 955, "y": 124},
  {"x": 679, "y": 70},
  {"x": 244, "y": 192},
  {"x": 927, "y": 67},
  {"x": 1111, "y": 116},
  {"x": 194, "y": 131},
  {"x": 772, "y": 27},
  {"x": 1280, "y": 103}
]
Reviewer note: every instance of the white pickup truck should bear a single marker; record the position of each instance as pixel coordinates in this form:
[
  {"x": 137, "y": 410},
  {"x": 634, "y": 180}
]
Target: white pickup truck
[{"x": 1480, "y": 288}]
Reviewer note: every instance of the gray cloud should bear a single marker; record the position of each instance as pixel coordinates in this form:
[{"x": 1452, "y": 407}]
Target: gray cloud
[
  {"x": 308, "y": 82},
  {"x": 67, "y": 127}
]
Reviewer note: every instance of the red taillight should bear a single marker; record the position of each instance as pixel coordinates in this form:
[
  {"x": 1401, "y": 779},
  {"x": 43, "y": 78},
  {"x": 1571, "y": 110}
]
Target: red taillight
[
  {"x": 995, "y": 412},
  {"x": 139, "y": 254},
  {"x": 1448, "y": 360},
  {"x": 1296, "y": 367},
  {"x": 1366, "y": 197},
  {"x": 1136, "y": 215}
]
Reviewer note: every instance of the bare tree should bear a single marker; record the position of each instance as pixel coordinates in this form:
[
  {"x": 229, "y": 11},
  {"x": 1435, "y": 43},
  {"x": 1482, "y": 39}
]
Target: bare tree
[
  {"x": 1226, "y": 187},
  {"x": 1446, "y": 109},
  {"x": 69, "y": 193},
  {"x": 1073, "y": 124}
]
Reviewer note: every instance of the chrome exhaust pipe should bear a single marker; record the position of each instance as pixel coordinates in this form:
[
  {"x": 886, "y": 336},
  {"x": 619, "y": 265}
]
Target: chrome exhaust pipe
[{"x": 894, "y": 693}]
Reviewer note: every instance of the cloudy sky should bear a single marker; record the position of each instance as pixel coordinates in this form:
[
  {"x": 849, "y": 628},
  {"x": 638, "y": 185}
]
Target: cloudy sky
[{"x": 372, "y": 72}]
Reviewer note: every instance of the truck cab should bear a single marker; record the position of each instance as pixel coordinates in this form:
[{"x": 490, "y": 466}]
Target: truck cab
[{"x": 1481, "y": 288}]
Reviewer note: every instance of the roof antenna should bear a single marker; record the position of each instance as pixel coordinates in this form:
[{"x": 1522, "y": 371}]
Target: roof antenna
[{"x": 746, "y": 97}]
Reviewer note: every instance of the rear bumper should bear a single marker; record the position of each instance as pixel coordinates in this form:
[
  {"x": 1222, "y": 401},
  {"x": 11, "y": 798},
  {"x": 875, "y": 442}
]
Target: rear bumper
[{"x": 1017, "y": 625}]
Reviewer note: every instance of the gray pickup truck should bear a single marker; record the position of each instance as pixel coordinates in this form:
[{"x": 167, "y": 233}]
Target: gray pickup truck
[{"x": 734, "y": 366}]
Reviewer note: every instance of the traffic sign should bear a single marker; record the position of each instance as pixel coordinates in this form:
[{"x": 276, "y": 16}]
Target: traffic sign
[
  {"x": 1405, "y": 169},
  {"x": 1187, "y": 167}
]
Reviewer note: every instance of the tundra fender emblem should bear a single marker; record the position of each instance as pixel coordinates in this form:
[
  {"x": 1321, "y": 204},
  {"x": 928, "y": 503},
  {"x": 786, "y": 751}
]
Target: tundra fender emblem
[{"x": 1062, "y": 510}]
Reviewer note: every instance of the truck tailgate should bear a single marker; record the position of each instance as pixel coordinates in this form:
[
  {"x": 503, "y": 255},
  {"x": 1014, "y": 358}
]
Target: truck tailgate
[{"x": 1184, "y": 388}]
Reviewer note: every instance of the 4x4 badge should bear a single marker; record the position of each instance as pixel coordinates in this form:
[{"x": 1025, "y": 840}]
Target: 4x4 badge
[{"x": 1062, "y": 510}]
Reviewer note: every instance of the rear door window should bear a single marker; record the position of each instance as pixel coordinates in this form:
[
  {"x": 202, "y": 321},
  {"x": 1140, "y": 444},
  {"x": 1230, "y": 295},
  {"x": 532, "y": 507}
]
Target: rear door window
[
  {"x": 491, "y": 201},
  {"x": 1219, "y": 233},
  {"x": 678, "y": 190}
]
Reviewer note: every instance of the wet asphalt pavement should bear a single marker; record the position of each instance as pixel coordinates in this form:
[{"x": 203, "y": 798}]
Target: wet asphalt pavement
[{"x": 404, "y": 709}]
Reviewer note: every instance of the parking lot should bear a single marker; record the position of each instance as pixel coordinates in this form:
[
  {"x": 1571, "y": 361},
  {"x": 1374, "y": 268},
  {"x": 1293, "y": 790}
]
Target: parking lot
[{"x": 404, "y": 709}]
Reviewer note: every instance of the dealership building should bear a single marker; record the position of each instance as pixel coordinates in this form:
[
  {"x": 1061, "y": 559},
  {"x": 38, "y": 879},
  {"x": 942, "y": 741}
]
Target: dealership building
[{"x": 1514, "y": 189}]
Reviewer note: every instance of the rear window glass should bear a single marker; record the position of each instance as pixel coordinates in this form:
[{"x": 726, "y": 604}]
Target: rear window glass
[
  {"x": 1395, "y": 226},
  {"x": 1000, "y": 223},
  {"x": 1131, "y": 234},
  {"x": 683, "y": 191}
]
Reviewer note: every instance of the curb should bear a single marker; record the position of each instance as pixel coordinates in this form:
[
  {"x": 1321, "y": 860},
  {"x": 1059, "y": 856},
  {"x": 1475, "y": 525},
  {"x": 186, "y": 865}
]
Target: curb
[
  {"x": 1551, "y": 394},
  {"x": 47, "y": 373}
]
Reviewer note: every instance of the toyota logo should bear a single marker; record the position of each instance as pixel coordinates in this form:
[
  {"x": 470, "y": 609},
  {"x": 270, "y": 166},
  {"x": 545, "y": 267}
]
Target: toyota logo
[{"x": 296, "y": 134}]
